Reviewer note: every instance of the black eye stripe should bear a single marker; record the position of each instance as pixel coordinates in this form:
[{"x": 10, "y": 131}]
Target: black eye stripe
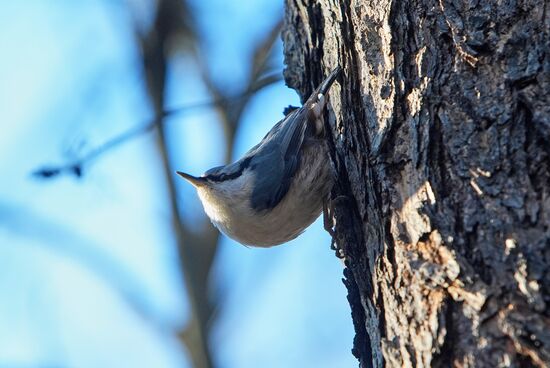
[{"x": 224, "y": 177}]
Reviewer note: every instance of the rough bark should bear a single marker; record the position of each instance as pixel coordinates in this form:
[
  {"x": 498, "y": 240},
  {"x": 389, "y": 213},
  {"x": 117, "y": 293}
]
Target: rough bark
[{"x": 441, "y": 145}]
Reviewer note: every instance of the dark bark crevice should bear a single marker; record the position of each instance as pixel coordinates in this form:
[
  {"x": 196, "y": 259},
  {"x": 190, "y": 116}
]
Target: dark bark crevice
[{"x": 441, "y": 147}]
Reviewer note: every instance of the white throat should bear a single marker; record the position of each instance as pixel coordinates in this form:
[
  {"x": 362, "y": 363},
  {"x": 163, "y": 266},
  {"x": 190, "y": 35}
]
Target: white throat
[{"x": 227, "y": 201}]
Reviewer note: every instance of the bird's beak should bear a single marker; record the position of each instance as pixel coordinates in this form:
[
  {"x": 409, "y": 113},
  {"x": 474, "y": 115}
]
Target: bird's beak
[{"x": 194, "y": 180}]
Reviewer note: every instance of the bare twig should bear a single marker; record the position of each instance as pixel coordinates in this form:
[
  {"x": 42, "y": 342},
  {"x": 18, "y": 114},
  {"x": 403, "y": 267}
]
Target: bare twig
[{"x": 75, "y": 167}]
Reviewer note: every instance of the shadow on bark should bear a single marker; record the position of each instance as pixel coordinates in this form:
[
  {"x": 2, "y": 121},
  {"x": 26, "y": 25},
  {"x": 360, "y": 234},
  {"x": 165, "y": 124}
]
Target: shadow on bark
[{"x": 441, "y": 148}]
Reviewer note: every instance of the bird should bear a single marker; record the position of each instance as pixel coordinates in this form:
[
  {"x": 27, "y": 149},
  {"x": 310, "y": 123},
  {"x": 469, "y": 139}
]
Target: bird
[{"x": 280, "y": 186}]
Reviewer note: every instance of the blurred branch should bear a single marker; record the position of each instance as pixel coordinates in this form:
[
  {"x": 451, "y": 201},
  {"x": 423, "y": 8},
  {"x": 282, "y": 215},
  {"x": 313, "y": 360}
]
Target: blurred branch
[
  {"x": 173, "y": 30},
  {"x": 76, "y": 166},
  {"x": 262, "y": 54},
  {"x": 155, "y": 47},
  {"x": 230, "y": 114},
  {"x": 198, "y": 249}
]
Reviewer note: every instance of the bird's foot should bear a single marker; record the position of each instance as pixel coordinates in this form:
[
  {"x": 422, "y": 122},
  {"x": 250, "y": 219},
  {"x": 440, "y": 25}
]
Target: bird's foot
[{"x": 328, "y": 224}]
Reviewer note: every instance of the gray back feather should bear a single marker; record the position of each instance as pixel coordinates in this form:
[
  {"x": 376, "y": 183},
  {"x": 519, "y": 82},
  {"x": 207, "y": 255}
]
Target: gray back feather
[{"x": 276, "y": 158}]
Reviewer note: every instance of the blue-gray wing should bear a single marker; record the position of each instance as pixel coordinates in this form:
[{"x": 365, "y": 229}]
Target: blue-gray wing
[{"x": 276, "y": 159}]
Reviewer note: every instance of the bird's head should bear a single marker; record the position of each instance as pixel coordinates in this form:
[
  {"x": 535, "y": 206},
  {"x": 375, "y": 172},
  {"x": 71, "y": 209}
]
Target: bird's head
[
  {"x": 196, "y": 181},
  {"x": 220, "y": 189},
  {"x": 212, "y": 178},
  {"x": 221, "y": 181}
]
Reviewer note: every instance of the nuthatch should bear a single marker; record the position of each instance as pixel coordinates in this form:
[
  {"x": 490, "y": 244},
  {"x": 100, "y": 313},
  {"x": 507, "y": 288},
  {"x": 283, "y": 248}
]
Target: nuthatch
[{"x": 279, "y": 187}]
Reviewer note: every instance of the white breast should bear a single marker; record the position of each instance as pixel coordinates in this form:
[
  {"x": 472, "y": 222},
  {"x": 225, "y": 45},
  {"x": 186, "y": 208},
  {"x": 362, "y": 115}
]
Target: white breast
[
  {"x": 229, "y": 206},
  {"x": 228, "y": 202}
]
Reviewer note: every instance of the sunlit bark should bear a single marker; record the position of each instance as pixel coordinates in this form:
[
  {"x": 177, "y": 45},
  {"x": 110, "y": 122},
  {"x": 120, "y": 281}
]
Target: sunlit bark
[{"x": 441, "y": 143}]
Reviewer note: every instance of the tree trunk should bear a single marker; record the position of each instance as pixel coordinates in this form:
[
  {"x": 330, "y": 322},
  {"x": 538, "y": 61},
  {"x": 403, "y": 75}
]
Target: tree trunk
[{"x": 441, "y": 145}]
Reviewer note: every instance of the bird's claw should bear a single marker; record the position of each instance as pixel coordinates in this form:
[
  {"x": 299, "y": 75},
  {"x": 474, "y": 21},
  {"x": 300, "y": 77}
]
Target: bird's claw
[{"x": 328, "y": 224}]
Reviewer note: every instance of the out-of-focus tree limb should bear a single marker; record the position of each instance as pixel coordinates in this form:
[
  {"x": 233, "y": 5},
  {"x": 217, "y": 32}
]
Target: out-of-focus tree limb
[
  {"x": 76, "y": 166},
  {"x": 172, "y": 31},
  {"x": 230, "y": 113},
  {"x": 197, "y": 249},
  {"x": 156, "y": 50}
]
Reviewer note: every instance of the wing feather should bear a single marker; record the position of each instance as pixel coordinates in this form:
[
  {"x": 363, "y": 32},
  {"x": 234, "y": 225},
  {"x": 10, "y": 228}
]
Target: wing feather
[{"x": 276, "y": 160}]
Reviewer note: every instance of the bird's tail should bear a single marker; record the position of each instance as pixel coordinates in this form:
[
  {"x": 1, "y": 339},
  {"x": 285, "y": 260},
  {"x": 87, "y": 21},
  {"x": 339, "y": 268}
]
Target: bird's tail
[{"x": 327, "y": 83}]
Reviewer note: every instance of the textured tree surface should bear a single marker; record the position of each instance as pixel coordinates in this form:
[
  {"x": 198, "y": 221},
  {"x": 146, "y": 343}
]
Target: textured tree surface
[{"x": 441, "y": 145}]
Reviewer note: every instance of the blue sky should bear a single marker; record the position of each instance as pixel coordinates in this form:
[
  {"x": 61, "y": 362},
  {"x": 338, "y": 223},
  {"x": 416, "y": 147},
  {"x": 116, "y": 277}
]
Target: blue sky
[{"x": 88, "y": 268}]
